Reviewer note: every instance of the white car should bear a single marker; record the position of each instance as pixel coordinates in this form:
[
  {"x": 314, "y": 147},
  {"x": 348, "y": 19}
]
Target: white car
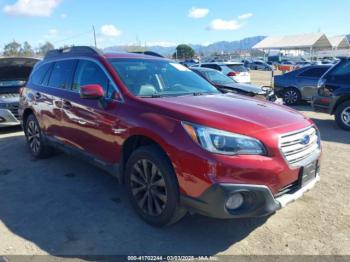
[{"x": 235, "y": 70}]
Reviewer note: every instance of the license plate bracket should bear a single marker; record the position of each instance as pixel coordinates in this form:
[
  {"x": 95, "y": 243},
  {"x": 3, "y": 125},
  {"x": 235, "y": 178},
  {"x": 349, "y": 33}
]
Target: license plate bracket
[{"x": 308, "y": 173}]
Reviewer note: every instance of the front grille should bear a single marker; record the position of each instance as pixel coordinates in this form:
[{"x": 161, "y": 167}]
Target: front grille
[
  {"x": 14, "y": 109},
  {"x": 298, "y": 146}
]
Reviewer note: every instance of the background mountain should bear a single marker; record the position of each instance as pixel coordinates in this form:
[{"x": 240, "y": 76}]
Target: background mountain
[{"x": 218, "y": 47}]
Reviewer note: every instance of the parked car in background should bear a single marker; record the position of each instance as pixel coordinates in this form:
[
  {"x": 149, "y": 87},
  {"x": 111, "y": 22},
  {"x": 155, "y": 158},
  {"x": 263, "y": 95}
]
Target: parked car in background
[
  {"x": 334, "y": 93},
  {"x": 299, "y": 85},
  {"x": 259, "y": 65},
  {"x": 172, "y": 138},
  {"x": 14, "y": 73},
  {"x": 227, "y": 85},
  {"x": 235, "y": 70}
]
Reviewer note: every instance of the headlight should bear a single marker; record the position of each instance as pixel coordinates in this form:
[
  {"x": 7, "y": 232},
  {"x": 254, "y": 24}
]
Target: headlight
[{"x": 222, "y": 142}]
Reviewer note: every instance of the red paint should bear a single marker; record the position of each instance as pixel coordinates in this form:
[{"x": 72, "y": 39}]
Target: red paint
[{"x": 102, "y": 131}]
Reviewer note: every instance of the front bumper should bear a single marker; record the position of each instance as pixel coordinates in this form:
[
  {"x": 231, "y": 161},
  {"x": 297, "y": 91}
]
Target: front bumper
[
  {"x": 8, "y": 118},
  {"x": 258, "y": 200}
]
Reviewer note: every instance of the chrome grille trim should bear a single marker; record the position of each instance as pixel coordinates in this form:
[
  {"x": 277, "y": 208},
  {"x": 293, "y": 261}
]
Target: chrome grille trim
[{"x": 294, "y": 151}]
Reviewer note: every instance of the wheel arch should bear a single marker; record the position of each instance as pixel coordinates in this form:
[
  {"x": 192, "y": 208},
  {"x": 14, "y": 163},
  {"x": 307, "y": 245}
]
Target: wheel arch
[
  {"x": 340, "y": 101},
  {"x": 136, "y": 141}
]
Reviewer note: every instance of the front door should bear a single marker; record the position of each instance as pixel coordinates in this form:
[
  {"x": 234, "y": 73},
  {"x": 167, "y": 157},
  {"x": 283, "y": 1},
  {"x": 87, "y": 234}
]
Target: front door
[{"x": 91, "y": 125}]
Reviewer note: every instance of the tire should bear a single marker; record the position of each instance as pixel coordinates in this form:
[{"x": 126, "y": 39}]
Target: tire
[
  {"x": 342, "y": 115},
  {"x": 154, "y": 193},
  {"x": 291, "y": 96},
  {"x": 36, "y": 142}
]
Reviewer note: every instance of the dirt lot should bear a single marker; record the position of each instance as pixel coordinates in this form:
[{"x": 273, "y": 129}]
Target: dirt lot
[{"x": 63, "y": 206}]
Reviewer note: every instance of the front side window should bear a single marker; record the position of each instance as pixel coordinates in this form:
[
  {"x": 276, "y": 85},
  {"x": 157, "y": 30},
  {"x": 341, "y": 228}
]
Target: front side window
[
  {"x": 90, "y": 73},
  {"x": 147, "y": 78},
  {"x": 62, "y": 73}
]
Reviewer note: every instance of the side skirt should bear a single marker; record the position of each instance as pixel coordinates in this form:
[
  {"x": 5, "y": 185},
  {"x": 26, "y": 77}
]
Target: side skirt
[{"x": 113, "y": 169}]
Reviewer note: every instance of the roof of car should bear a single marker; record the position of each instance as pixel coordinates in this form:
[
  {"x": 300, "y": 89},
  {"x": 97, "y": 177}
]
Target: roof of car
[
  {"x": 224, "y": 63},
  {"x": 93, "y": 52}
]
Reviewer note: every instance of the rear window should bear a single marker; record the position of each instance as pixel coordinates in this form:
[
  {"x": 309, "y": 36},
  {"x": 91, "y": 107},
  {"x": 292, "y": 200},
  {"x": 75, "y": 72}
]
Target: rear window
[
  {"x": 237, "y": 68},
  {"x": 40, "y": 73},
  {"x": 341, "y": 71}
]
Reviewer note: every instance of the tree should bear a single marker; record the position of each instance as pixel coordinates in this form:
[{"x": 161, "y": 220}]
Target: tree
[
  {"x": 12, "y": 49},
  {"x": 184, "y": 52},
  {"x": 46, "y": 48},
  {"x": 26, "y": 49}
]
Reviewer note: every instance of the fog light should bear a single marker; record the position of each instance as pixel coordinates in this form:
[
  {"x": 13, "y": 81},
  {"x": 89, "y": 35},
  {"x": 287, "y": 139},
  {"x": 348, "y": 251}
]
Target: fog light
[{"x": 234, "y": 201}]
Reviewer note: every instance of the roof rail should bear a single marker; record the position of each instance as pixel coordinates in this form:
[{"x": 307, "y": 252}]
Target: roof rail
[
  {"x": 76, "y": 50},
  {"x": 148, "y": 53}
]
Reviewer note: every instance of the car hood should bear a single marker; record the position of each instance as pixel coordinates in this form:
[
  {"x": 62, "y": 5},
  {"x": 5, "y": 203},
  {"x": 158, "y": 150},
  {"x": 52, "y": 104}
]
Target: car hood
[
  {"x": 245, "y": 87},
  {"x": 16, "y": 68},
  {"x": 231, "y": 112}
]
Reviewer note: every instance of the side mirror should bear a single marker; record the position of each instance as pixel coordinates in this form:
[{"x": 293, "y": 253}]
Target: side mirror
[{"x": 91, "y": 92}]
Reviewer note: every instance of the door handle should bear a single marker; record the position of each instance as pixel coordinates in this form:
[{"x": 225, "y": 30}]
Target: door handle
[
  {"x": 37, "y": 95},
  {"x": 67, "y": 104}
]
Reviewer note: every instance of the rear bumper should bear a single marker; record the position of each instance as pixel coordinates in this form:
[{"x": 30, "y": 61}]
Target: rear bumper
[
  {"x": 7, "y": 118},
  {"x": 258, "y": 200},
  {"x": 324, "y": 104}
]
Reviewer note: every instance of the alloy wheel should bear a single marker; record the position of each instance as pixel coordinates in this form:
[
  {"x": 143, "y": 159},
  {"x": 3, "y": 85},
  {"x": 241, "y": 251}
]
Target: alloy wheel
[
  {"x": 33, "y": 135},
  {"x": 345, "y": 116},
  {"x": 291, "y": 97},
  {"x": 148, "y": 187}
]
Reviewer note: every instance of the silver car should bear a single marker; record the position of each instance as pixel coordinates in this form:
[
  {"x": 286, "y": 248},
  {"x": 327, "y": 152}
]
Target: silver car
[{"x": 14, "y": 73}]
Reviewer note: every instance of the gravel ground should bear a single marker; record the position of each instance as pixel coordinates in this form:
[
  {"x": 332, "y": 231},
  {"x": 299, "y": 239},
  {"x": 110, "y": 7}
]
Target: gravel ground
[{"x": 62, "y": 206}]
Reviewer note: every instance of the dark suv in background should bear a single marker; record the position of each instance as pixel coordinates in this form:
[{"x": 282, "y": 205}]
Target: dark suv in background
[{"x": 334, "y": 93}]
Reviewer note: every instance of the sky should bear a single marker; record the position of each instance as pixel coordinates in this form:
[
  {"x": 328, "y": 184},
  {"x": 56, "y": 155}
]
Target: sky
[{"x": 165, "y": 22}]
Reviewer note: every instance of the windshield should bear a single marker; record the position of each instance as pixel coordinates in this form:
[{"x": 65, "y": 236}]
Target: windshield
[
  {"x": 147, "y": 78},
  {"x": 218, "y": 78}
]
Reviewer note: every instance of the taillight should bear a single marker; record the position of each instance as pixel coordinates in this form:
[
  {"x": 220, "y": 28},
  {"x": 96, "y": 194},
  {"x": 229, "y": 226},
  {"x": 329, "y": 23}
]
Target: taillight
[{"x": 232, "y": 74}]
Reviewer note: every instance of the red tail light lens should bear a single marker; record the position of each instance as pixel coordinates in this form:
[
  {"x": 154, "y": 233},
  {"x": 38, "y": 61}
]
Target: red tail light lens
[{"x": 232, "y": 74}]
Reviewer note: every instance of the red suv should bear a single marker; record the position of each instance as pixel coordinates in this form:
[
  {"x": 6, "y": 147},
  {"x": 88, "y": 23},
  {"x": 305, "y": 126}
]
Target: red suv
[{"x": 173, "y": 139}]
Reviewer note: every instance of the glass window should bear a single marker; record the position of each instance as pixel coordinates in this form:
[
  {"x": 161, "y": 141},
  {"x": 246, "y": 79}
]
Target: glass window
[
  {"x": 61, "y": 75},
  {"x": 314, "y": 72},
  {"x": 40, "y": 73},
  {"x": 218, "y": 78},
  {"x": 212, "y": 66},
  {"x": 90, "y": 73},
  {"x": 341, "y": 70},
  {"x": 147, "y": 78},
  {"x": 237, "y": 68}
]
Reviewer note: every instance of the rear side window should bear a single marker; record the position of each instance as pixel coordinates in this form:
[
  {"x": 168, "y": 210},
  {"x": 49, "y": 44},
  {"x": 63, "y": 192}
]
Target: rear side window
[
  {"x": 314, "y": 72},
  {"x": 40, "y": 73},
  {"x": 62, "y": 73},
  {"x": 90, "y": 73},
  {"x": 237, "y": 68}
]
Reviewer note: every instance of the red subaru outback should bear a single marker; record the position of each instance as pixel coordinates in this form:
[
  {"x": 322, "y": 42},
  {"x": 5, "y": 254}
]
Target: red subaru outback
[{"x": 174, "y": 140}]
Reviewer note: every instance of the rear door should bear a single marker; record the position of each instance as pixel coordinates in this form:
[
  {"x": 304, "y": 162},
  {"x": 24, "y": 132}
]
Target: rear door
[
  {"x": 307, "y": 81},
  {"x": 92, "y": 125}
]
